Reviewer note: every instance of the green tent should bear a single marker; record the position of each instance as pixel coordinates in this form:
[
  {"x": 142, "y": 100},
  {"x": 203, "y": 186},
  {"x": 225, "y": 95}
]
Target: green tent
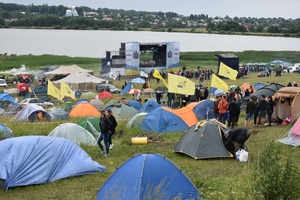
[
  {"x": 115, "y": 102},
  {"x": 204, "y": 140},
  {"x": 123, "y": 112},
  {"x": 67, "y": 106},
  {"x": 136, "y": 120},
  {"x": 90, "y": 124}
]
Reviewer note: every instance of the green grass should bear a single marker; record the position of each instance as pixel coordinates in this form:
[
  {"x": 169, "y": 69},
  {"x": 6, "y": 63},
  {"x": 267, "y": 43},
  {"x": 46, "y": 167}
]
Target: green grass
[{"x": 215, "y": 178}]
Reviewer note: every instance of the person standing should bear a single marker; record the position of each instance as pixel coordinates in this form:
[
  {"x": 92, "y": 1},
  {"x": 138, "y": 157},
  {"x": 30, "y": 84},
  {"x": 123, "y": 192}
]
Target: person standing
[
  {"x": 170, "y": 96},
  {"x": 250, "y": 109},
  {"x": 270, "y": 109},
  {"x": 234, "y": 111},
  {"x": 158, "y": 96},
  {"x": 105, "y": 125},
  {"x": 223, "y": 107},
  {"x": 112, "y": 130},
  {"x": 262, "y": 109}
]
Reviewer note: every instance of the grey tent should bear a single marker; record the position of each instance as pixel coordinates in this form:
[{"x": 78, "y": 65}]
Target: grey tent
[
  {"x": 268, "y": 90},
  {"x": 204, "y": 140}
]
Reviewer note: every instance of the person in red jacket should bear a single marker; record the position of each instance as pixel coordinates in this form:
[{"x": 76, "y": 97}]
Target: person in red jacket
[{"x": 223, "y": 107}]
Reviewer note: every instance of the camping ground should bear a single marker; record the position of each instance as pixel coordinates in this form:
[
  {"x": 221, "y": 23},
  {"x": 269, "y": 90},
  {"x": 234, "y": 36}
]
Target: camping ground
[{"x": 215, "y": 178}]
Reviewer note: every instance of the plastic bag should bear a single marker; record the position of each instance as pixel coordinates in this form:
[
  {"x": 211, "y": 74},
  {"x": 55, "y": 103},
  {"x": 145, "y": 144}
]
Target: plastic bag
[{"x": 242, "y": 155}]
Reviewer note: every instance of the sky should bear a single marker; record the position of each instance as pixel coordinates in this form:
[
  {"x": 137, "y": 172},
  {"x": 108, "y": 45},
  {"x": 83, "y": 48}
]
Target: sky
[{"x": 233, "y": 8}]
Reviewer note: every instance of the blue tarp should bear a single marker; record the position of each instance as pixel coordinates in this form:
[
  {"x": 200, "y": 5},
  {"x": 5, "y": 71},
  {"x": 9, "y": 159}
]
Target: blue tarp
[
  {"x": 160, "y": 120},
  {"x": 32, "y": 160},
  {"x": 149, "y": 106},
  {"x": 148, "y": 176}
]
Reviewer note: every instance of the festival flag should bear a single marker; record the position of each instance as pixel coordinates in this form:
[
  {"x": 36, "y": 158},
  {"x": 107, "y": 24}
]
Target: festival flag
[
  {"x": 156, "y": 74},
  {"x": 144, "y": 74},
  {"x": 112, "y": 75},
  {"x": 53, "y": 91},
  {"x": 31, "y": 90},
  {"x": 65, "y": 90},
  {"x": 218, "y": 83},
  {"x": 228, "y": 72},
  {"x": 180, "y": 85}
]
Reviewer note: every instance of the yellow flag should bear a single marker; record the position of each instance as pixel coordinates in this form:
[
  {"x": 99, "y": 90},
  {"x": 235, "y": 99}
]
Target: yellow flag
[
  {"x": 180, "y": 85},
  {"x": 218, "y": 83},
  {"x": 156, "y": 74},
  {"x": 65, "y": 90},
  {"x": 53, "y": 91},
  {"x": 228, "y": 72}
]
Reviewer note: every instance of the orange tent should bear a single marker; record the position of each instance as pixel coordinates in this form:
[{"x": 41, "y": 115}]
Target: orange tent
[
  {"x": 84, "y": 109},
  {"x": 186, "y": 114},
  {"x": 245, "y": 86}
]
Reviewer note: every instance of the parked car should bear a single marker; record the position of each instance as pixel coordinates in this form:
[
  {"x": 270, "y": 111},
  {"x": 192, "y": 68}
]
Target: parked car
[
  {"x": 37, "y": 101},
  {"x": 113, "y": 89},
  {"x": 3, "y": 83},
  {"x": 293, "y": 68}
]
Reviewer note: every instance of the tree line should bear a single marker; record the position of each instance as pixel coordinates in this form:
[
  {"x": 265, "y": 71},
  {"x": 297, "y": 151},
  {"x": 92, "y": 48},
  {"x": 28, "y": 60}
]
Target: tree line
[{"x": 45, "y": 16}]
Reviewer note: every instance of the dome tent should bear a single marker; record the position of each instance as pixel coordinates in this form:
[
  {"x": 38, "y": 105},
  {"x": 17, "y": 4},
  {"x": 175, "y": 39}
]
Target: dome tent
[{"x": 148, "y": 176}]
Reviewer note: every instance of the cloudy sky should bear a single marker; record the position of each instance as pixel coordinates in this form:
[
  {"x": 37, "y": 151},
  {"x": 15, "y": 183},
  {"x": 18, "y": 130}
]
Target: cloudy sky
[{"x": 232, "y": 8}]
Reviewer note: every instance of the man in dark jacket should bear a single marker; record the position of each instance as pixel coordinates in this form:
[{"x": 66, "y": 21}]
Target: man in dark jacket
[
  {"x": 238, "y": 137},
  {"x": 105, "y": 125},
  {"x": 234, "y": 111}
]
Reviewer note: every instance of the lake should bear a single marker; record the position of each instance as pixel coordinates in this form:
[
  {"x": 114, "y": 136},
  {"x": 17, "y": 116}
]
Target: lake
[{"x": 94, "y": 43}]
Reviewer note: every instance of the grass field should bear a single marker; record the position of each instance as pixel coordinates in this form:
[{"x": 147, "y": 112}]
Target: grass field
[{"x": 215, "y": 178}]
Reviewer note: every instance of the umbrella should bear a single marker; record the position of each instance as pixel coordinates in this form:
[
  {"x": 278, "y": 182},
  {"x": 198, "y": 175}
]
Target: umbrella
[
  {"x": 134, "y": 91},
  {"x": 219, "y": 92},
  {"x": 268, "y": 90},
  {"x": 162, "y": 88}
]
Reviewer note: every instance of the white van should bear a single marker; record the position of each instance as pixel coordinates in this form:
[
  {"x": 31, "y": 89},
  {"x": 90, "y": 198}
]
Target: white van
[{"x": 293, "y": 68}]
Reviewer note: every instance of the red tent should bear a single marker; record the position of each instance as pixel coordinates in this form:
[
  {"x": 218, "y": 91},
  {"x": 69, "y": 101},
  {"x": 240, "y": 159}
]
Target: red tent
[
  {"x": 105, "y": 95},
  {"x": 22, "y": 87}
]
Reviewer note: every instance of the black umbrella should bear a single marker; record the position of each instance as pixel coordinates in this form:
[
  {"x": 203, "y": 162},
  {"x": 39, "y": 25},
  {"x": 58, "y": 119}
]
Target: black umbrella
[{"x": 162, "y": 89}]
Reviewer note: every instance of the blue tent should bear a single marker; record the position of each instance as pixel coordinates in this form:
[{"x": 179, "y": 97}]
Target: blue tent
[
  {"x": 5, "y": 132},
  {"x": 204, "y": 109},
  {"x": 6, "y": 97},
  {"x": 58, "y": 113},
  {"x": 138, "y": 80},
  {"x": 32, "y": 160},
  {"x": 137, "y": 105},
  {"x": 81, "y": 101},
  {"x": 160, "y": 120},
  {"x": 148, "y": 176},
  {"x": 149, "y": 106},
  {"x": 258, "y": 86}
]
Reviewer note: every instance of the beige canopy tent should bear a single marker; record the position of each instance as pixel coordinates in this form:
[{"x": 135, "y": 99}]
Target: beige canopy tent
[
  {"x": 66, "y": 70},
  {"x": 287, "y": 103},
  {"x": 81, "y": 81}
]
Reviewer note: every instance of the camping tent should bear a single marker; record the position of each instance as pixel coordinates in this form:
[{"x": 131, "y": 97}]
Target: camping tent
[
  {"x": 257, "y": 86},
  {"x": 5, "y": 132},
  {"x": 148, "y": 176},
  {"x": 123, "y": 112},
  {"x": 293, "y": 137},
  {"x": 115, "y": 102},
  {"x": 81, "y": 81},
  {"x": 203, "y": 109},
  {"x": 268, "y": 90},
  {"x": 136, "y": 120},
  {"x": 6, "y": 97},
  {"x": 185, "y": 113},
  {"x": 66, "y": 70},
  {"x": 97, "y": 103},
  {"x": 32, "y": 112},
  {"x": 58, "y": 113},
  {"x": 84, "y": 109},
  {"x": 75, "y": 133},
  {"x": 161, "y": 120},
  {"x": 90, "y": 124},
  {"x": 149, "y": 106},
  {"x": 287, "y": 103},
  {"x": 203, "y": 140},
  {"x": 135, "y": 104},
  {"x": 32, "y": 160},
  {"x": 88, "y": 95},
  {"x": 105, "y": 95}
]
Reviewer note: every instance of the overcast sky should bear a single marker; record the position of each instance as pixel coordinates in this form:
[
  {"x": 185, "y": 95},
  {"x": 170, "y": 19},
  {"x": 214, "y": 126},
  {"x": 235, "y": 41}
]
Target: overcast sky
[{"x": 232, "y": 8}]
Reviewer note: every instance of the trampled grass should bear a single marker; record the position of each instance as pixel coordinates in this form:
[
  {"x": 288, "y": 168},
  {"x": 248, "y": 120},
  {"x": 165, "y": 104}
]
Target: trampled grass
[{"x": 215, "y": 178}]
